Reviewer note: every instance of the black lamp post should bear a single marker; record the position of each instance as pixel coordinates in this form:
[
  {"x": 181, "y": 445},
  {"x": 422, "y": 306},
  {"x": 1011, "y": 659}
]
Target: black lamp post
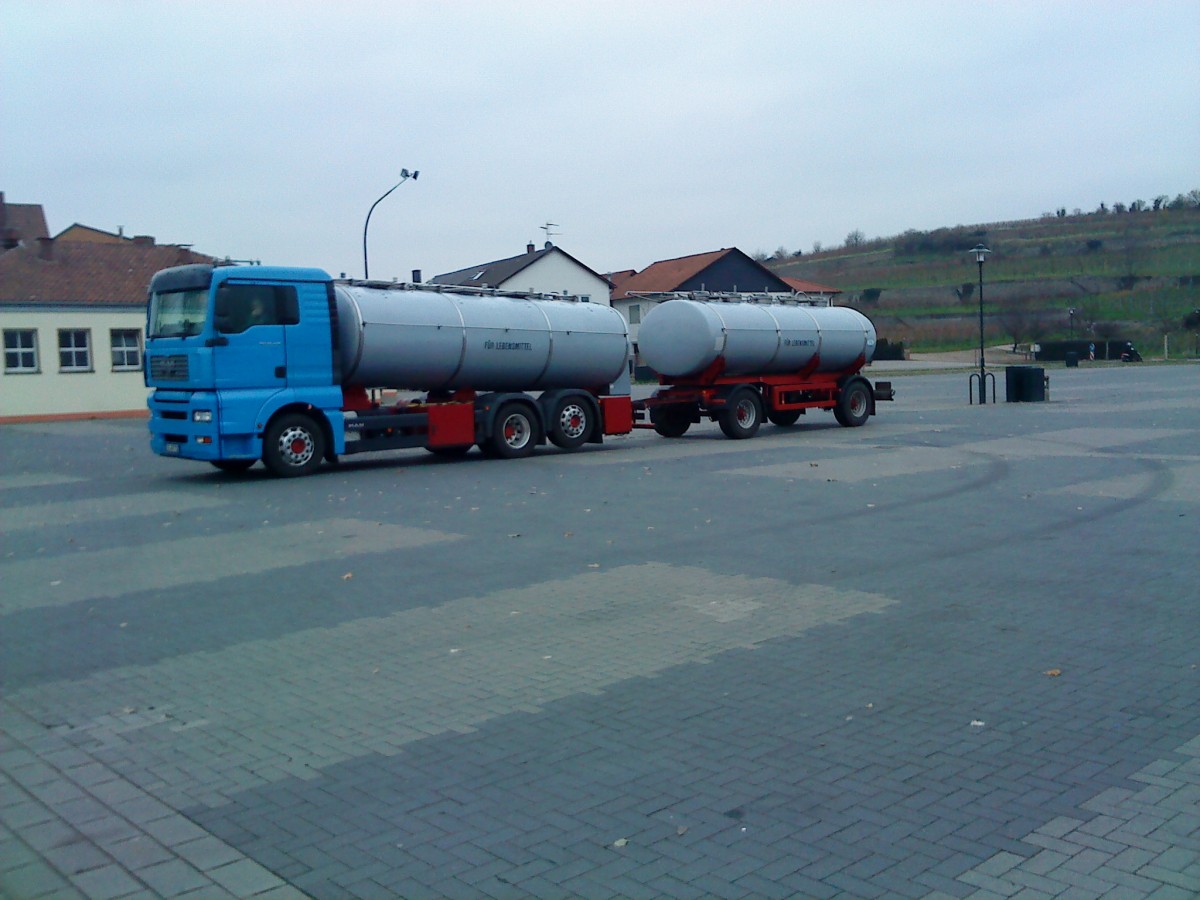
[
  {"x": 1071, "y": 314},
  {"x": 404, "y": 176},
  {"x": 981, "y": 253}
]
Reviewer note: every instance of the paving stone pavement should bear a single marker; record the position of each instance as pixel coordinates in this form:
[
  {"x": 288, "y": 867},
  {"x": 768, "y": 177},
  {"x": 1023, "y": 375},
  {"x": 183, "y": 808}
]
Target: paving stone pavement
[{"x": 954, "y": 653}]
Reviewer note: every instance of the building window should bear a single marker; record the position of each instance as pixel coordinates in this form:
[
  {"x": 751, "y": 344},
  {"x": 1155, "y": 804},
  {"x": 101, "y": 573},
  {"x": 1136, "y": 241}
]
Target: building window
[
  {"x": 635, "y": 314},
  {"x": 126, "y": 349},
  {"x": 586, "y": 298},
  {"x": 20, "y": 351},
  {"x": 74, "y": 350}
]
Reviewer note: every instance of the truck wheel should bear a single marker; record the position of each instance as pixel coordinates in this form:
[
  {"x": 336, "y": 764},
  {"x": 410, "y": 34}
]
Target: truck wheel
[
  {"x": 854, "y": 405},
  {"x": 515, "y": 432},
  {"x": 742, "y": 414},
  {"x": 783, "y": 417},
  {"x": 233, "y": 465},
  {"x": 570, "y": 426},
  {"x": 293, "y": 445},
  {"x": 671, "y": 421}
]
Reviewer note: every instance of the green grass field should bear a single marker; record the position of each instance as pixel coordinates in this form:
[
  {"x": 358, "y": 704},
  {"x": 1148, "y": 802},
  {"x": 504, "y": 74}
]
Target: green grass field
[{"x": 1133, "y": 274}]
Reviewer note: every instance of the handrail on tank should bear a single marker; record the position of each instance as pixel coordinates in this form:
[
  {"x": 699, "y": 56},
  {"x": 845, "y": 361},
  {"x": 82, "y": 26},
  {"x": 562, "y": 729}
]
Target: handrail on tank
[
  {"x": 454, "y": 289},
  {"x": 796, "y": 299}
]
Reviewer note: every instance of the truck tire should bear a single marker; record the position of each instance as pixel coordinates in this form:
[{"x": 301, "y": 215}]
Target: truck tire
[
  {"x": 854, "y": 405},
  {"x": 570, "y": 424},
  {"x": 742, "y": 414},
  {"x": 783, "y": 418},
  {"x": 515, "y": 432},
  {"x": 293, "y": 445},
  {"x": 233, "y": 465},
  {"x": 671, "y": 421}
]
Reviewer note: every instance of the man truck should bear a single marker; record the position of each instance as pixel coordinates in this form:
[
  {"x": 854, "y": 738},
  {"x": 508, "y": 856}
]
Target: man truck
[{"x": 291, "y": 367}]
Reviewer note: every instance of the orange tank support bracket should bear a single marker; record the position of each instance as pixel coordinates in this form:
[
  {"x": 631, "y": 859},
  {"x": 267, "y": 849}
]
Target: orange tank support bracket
[
  {"x": 451, "y": 424},
  {"x": 618, "y": 414},
  {"x": 709, "y": 375}
]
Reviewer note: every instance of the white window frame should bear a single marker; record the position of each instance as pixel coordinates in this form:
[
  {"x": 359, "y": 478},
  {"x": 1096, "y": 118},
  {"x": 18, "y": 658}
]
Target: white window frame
[
  {"x": 80, "y": 354},
  {"x": 635, "y": 314},
  {"x": 18, "y": 352},
  {"x": 126, "y": 357}
]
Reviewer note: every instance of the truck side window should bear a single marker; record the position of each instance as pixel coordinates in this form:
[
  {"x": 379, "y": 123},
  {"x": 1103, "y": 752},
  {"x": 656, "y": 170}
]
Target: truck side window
[{"x": 242, "y": 306}]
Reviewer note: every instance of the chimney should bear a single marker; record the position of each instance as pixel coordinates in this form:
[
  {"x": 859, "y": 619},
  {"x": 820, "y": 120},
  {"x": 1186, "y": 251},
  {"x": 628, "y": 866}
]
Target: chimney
[
  {"x": 143, "y": 240},
  {"x": 45, "y": 248},
  {"x": 529, "y": 247},
  {"x": 416, "y": 276}
]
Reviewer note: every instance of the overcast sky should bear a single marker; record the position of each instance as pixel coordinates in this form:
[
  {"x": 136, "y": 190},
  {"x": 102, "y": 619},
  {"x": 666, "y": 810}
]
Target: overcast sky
[{"x": 645, "y": 130}]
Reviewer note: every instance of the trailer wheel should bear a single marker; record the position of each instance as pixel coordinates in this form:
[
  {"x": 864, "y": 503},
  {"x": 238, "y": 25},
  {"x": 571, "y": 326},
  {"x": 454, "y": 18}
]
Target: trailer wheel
[
  {"x": 515, "y": 432},
  {"x": 671, "y": 421},
  {"x": 570, "y": 425},
  {"x": 854, "y": 405},
  {"x": 783, "y": 418},
  {"x": 293, "y": 445},
  {"x": 233, "y": 465},
  {"x": 742, "y": 414}
]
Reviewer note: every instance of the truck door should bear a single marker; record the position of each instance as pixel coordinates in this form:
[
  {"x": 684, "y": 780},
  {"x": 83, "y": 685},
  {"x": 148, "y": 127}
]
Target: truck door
[{"x": 250, "y": 350}]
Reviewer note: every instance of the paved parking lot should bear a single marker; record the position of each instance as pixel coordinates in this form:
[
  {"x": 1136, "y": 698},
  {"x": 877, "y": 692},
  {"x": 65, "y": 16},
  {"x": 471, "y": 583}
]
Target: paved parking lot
[{"x": 953, "y": 653}]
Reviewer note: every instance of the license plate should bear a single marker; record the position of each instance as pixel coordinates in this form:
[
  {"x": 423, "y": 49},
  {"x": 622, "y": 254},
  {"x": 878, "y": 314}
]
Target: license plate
[{"x": 172, "y": 448}]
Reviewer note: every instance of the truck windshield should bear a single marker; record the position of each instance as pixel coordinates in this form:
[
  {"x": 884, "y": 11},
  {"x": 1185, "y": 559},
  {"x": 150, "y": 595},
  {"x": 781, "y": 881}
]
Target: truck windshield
[{"x": 177, "y": 313}]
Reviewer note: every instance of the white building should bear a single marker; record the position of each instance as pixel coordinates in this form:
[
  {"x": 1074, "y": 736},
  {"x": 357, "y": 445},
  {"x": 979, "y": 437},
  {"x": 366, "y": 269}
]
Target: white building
[
  {"x": 547, "y": 271},
  {"x": 73, "y": 315}
]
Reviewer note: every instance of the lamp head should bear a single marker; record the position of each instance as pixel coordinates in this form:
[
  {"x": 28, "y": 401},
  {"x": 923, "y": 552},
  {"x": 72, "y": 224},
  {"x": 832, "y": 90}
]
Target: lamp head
[{"x": 981, "y": 253}]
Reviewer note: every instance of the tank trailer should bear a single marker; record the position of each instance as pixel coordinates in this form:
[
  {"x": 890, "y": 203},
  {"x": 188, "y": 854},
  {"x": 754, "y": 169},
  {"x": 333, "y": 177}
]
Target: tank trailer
[{"x": 737, "y": 358}]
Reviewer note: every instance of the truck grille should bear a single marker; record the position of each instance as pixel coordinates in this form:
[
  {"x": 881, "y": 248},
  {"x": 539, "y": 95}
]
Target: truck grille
[{"x": 169, "y": 368}]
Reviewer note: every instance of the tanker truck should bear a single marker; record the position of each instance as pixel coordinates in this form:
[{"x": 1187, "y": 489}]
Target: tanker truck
[
  {"x": 289, "y": 366},
  {"x": 735, "y": 358}
]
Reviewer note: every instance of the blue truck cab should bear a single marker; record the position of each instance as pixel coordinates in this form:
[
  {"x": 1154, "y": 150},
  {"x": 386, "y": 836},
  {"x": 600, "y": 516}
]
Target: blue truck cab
[{"x": 233, "y": 353}]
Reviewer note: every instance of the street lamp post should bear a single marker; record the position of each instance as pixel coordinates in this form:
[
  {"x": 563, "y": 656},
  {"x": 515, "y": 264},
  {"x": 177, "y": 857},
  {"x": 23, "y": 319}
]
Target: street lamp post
[
  {"x": 1071, "y": 314},
  {"x": 404, "y": 176},
  {"x": 981, "y": 253}
]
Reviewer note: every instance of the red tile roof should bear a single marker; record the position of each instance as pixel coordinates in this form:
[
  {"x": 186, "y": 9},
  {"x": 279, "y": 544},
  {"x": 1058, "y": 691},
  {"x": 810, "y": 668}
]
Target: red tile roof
[
  {"x": 618, "y": 279},
  {"x": 53, "y": 271},
  {"x": 810, "y": 287},
  {"x": 21, "y": 222},
  {"x": 668, "y": 274}
]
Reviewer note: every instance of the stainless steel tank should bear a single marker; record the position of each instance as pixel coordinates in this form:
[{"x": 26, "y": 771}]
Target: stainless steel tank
[
  {"x": 683, "y": 337},
  {"x": 416, "y": 339}
]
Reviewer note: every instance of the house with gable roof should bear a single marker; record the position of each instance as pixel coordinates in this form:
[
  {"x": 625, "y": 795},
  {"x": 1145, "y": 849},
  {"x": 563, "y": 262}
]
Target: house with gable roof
[
  {"x": 725, "y": 270},
  {"x": 550, "y": 270},
  {"x": 73, "y": 315}
]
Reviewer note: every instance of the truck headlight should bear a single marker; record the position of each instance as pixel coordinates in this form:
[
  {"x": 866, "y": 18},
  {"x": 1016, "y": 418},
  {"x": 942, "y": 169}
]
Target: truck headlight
[{"x": 202, "y": 415}]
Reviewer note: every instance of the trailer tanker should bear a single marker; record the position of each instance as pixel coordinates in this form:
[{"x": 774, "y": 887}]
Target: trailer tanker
[
  {"x": 421, "y": 339},
  {"x": 683, "y": 337}
]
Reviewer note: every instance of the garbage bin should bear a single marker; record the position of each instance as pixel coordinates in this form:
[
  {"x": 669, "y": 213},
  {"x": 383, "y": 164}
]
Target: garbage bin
[
  {"x": 1072, "y": 360},
  {"x": 1035, "y": 385},
  {"x": 1024, "y": 384}
]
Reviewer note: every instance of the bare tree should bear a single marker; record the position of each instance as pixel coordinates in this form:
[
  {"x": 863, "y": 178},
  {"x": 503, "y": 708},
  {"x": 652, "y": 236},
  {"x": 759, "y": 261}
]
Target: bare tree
[{"x": 1020, "y": 321}]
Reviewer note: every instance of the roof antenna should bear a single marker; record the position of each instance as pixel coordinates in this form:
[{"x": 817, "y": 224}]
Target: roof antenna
[{"x": 549, "y": 234}]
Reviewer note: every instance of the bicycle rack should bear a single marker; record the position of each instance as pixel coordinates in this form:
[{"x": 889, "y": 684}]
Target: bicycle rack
[{"x": 981, "y": 381}]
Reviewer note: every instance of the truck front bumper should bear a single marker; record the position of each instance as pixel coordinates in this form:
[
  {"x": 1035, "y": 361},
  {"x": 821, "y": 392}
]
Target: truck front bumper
[{"x": 185, "y": 424}]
